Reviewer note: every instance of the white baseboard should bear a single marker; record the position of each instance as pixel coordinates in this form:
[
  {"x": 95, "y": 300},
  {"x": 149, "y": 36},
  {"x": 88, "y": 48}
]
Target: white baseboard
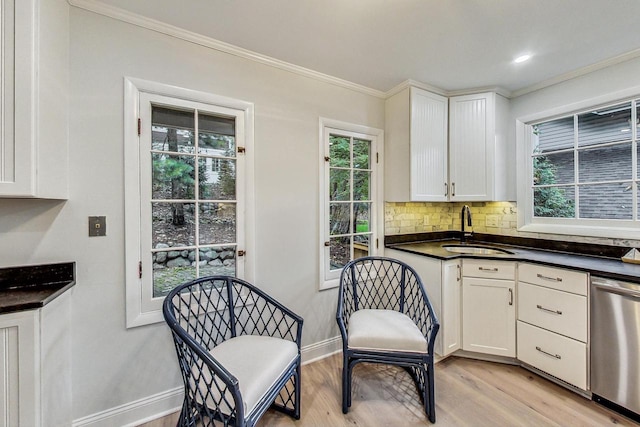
[
  {"x": 164, "y": 403},
  {"x": 136, "y": 412},
  {"x": 320, "y": 350}
]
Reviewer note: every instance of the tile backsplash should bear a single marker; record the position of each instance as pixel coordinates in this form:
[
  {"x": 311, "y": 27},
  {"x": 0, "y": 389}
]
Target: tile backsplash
[{"x": 488, "y": 217}]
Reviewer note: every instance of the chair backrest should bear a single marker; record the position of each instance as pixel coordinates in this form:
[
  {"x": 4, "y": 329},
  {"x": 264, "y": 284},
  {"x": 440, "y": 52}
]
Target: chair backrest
[
  {"x": 385, "y": 283},
  {"x": 213, "y": 309}
]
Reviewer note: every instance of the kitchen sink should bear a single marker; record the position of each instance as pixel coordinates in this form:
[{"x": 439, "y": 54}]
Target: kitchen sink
[{"x": 475, "y": 250}]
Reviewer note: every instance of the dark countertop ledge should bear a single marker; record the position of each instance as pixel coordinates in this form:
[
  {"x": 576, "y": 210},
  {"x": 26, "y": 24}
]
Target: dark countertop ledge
[
  {"x": 34, "y": 286},
  {"x": 606, "y": 264}
]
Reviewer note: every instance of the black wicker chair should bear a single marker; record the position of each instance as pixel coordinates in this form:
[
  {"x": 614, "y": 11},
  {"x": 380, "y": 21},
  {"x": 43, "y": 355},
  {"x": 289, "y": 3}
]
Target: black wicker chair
[
  {"x": 238, "y": 351},
  {"x": 385, "y": 317}
]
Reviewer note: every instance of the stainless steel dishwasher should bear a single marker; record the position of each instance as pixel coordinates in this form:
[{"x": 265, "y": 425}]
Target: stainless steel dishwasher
[{"x": 615, "y": 344}]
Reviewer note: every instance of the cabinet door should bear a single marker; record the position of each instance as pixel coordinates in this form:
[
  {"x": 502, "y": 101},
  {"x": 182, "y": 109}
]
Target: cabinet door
[
  {"x": 472, "y": 146},
  {"x": 428, "y": 138},
  {"x": 9, "y": 375},
  {"x": 489, "y": 316},
  {"x": 33, "y": 104},
  {"x": 451, "y": 300},
  {"x": 19, "y": 368}
]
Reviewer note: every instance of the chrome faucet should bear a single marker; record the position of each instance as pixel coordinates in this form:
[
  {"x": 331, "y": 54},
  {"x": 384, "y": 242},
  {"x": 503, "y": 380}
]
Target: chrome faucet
[{"x": 465, "y": 210}]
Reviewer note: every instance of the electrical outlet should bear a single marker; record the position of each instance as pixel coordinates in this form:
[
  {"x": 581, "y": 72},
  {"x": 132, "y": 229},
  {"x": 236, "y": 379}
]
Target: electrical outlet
[{"x": 97, "y": 226}]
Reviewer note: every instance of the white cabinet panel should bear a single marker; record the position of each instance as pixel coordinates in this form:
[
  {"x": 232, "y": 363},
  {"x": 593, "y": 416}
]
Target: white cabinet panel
[
  {"x": 471, "y": 128},
  {"x": 20, "y": 334},
  {"x": 34, "y": 136},
  {"x": 35, "y": 365},
  {"x": 455, "y": 148},
  {"x": 556, "y": 278},
  {"x": 553, "y": 310},
  {"x": 9, "y": 376},
  {"x": 451, "y": 303},
  {"x": 488, "y": 316},
  {"x": 555, "y": 354},
  {"x": 416, "y": 160},
  {"x": 428, "y": 146},
  {"x": 489, "y": 269},
  {"x": 478, "y": 147}
]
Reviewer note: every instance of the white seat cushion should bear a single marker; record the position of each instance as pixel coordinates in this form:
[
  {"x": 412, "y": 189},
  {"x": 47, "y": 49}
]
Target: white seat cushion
[
  {"x": 256, "y": 361},
  {"x": 385, "y": 330}
]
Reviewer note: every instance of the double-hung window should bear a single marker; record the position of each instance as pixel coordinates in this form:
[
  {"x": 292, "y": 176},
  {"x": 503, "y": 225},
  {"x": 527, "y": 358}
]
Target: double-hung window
[
  {"x": 185, "y": 190},
  {"x": 582, "y": 172},
  {"x": 350, "y": 208}
]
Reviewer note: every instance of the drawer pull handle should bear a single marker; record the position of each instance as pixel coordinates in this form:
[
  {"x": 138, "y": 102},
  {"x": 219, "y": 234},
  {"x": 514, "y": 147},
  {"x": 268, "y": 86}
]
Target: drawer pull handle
[
  {"x": 548, "y": 310},
  {"x": 510, "y": 296},
  {"x": 555, "y": 279},
  {"x": 557, "y": 356},
  {"x": 488, "y": 269}
]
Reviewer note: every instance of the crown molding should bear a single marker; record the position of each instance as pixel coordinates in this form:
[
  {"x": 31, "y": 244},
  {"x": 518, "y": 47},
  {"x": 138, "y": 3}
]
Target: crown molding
[
  {"x": 497, "y": 89},
  {"x": 414, "y": 83},
  {"x": 189, "y": 36},
  {"x": 578, "y": 73}
]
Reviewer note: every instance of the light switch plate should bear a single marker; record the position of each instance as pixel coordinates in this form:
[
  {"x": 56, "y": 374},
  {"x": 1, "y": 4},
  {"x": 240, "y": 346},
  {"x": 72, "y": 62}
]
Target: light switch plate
[{"x": 97, "y": 226}]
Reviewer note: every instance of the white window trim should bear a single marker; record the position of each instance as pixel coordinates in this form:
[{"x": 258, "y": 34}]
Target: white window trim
[
  {"x": 377, "y": 191},
  {"x": 563, "y": 226},
  {"x": 136, "y": 315}
]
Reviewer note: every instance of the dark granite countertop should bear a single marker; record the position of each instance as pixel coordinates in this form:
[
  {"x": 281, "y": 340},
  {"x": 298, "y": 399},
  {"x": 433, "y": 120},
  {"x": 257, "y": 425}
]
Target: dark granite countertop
[
  {"x": 599, "y": 260},
  {"x": 34, "y": 286}
]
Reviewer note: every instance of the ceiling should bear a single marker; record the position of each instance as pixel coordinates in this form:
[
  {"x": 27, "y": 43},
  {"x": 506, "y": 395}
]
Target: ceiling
[{"x": 453, "y": 45}]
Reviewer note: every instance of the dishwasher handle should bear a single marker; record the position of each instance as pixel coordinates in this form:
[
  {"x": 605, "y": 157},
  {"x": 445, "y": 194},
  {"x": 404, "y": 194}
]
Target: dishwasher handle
[{"x": 616, "y": 289}]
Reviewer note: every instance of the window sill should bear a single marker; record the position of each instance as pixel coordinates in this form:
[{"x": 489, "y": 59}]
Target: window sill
[{"x": 583, "y": 230}]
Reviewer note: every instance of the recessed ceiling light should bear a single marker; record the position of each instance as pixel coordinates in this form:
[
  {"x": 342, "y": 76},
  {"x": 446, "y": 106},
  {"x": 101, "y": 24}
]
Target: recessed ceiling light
[{"x": 522, "y": 58}]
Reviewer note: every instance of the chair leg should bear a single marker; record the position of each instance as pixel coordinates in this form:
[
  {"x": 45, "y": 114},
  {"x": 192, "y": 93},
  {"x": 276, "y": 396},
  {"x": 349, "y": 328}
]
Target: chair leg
[
  {"x": 429, "y": 387},
  {"x": 346, "y": 385},
  {"x": 297, "y": 380}
]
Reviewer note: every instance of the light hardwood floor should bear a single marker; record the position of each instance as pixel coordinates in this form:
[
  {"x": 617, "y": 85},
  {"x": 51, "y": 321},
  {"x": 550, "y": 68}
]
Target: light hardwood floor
[{"x": 468, "y": 393}]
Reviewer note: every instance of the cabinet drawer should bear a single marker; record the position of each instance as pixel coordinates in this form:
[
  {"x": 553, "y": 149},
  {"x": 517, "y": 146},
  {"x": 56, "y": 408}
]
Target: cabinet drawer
[
  {"x": 556, "y": 278},
  {"x": 554, "y": 354},
  {"x": 489, "y": 269},
  {"x": 554, "y": 310}
]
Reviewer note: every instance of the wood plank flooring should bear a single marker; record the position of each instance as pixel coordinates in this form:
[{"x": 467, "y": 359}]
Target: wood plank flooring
[{"x": 468, "y": 393}]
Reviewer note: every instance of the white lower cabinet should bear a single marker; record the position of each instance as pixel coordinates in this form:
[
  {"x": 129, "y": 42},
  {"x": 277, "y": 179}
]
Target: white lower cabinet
[
  {"x": 555, "y": 354},
  {"x": 552, "y": 322},
  {"x": 451, "y": 301},
  {"x": 35, "y": 366},
  {"x": 488, "y": 307},
  {"x": 476, "y": 302}
]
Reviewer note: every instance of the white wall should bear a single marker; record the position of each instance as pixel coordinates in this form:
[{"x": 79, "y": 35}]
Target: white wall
[
  {"x": 112, "y": 365},
  {"x": 599, "y": 83}
]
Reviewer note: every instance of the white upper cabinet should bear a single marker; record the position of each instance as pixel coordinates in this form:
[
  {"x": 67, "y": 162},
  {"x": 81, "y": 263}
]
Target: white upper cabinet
[
  {"x": 445, "y": 149},
  {"x": 416, "y": 148},
  {"x": 477, "y": 147},
  {"x": 34, "y": 99}
]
